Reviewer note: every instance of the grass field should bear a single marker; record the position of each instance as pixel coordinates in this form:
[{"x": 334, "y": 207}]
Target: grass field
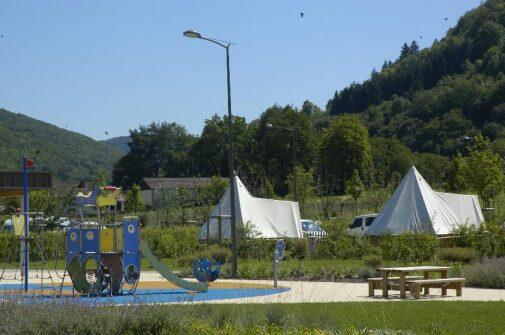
[
  {"x": 335, "y": 318},
  {"x": 419, "y": 317}
]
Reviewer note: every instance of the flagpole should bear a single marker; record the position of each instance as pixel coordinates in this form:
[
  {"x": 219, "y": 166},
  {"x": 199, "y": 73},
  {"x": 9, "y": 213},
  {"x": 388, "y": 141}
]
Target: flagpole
[{"x": 27, "y": 221}]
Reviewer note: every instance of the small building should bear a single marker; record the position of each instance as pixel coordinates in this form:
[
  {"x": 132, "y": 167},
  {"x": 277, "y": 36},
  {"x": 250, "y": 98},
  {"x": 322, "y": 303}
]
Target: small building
[
  {"x": 64, "y": 188},
  {"x": 149, "y": 186},
  {"x": 11, "y": 182}
]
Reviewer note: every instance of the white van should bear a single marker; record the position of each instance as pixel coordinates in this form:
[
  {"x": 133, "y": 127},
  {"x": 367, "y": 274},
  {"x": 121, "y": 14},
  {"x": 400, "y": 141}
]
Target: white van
[{"x": 360, "y": 224}]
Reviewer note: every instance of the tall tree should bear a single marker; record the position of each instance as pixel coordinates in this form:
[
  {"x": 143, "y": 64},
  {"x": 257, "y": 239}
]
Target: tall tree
[
  {"x": 389, "y": 155},
  {"x": 483, "y": 170},
  {"x": 134, "y": 201},
  {"x": 344, "y": 148},
  {"x": 304, "y": 188},
  {"x": 405, "y": 52},
  {"x": 209, "y": 153},
  {"x": 280, "y": 131},
  {"x": 156, "y": 150},
  {"x": 414, "y": 48},
  {"x": 310, "y": 109},
  {"x": 354, "y": 186}
]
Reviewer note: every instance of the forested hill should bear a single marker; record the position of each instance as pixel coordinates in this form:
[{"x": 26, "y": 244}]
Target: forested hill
[
  {"x": 432, "y": 98},
  {"x": 68, "y": 155},
  {"x": 120, "y": 142}
]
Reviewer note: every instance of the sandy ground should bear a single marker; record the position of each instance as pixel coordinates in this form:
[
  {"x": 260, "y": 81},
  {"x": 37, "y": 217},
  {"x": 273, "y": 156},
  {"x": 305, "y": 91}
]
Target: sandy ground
[{"x": 299, "y": 291}]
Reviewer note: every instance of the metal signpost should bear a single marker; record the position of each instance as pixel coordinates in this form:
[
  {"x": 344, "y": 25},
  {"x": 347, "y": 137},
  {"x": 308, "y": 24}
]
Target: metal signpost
[{"x": 278, "y": 256}]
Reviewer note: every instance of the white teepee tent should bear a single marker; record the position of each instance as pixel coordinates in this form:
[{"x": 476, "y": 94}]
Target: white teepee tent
[
  {"x": 415, "y": 207},
  {"x": 268, "y": 218}
]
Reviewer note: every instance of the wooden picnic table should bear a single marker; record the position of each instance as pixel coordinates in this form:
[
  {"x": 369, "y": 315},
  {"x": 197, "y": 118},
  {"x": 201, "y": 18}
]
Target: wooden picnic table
[{"x": 403, "y": 271}]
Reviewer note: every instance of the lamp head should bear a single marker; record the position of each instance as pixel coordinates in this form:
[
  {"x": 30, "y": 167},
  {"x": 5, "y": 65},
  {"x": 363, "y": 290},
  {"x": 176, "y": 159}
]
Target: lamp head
[{"x": 192, "y": 34}]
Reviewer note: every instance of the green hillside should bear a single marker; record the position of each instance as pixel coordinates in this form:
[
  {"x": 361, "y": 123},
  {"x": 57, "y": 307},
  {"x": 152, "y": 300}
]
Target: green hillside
[
  {"x": 432, "y": 98},
  {"x": 120, "y": 142},
  {"x": 68, "y": 155}
]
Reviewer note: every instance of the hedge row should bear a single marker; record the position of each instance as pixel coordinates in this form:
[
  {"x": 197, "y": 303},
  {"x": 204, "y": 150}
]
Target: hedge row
[
  {"x": 182, "y": 241},
  {"x": 50, "y": 244}
]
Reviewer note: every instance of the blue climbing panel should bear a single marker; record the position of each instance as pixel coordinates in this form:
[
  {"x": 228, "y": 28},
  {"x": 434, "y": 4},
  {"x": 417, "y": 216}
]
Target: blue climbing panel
[
  {"x": 131, "y": 255},
  {"x": 90, "y": 244},
  {"x": 73, "y": 243}
]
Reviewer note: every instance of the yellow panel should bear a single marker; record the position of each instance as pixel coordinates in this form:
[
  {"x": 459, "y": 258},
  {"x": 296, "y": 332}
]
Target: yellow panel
[
  {"x": 111, "y": 240},
  {"x": 18, "y": 221},
  {"x": 108, "y": 199},
  {"x": 119, "y": 238},
  {"x": 106, "y": 240}
]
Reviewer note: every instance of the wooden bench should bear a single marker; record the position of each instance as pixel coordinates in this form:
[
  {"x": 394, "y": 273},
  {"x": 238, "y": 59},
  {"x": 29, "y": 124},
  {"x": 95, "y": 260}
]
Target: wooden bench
[
  {"x": 443, "y": 283},
  {"x": 376, "y": 283}
]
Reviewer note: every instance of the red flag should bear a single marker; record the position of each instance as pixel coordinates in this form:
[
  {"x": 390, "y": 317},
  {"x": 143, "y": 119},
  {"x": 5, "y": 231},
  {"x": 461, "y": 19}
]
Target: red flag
[{"x": 30, "y": 163}]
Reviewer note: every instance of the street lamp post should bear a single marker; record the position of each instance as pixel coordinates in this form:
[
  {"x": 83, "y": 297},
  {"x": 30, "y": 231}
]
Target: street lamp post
[
  {"x": 293, "y": 146},
  {"x": 295, "y": 174},
  {"x": 233, "y": 224}
]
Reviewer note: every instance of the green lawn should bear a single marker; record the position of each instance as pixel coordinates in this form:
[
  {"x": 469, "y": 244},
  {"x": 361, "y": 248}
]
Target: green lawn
[
  {"x": 421, "y": 317},
  {"x": 310, "y": 269},
  {"x": 372, "y": 318},
  {"x": 293, "y": 269}
]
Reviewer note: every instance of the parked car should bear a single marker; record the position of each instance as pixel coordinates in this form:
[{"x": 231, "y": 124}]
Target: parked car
[
  {"x": 7, "y": 225},
  {"x": 311, "y": 228},
  {"x": 360, "y": 224},
  {"x": 63, "y": 222}
]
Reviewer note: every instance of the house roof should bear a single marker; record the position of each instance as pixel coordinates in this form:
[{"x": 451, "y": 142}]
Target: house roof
[
  {"x": 65, "y": 187},
  {"x": 148, "y": 183}
]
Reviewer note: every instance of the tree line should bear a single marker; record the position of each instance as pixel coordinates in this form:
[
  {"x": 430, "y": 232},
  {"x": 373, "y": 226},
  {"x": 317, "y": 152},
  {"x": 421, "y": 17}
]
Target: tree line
[
  {"x": 429, "y": 108},
  {"x": 432, "y": 98},
  {"x": 332, "y": 160}
]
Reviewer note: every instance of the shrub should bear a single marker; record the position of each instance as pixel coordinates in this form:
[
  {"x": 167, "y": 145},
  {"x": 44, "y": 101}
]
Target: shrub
[
  {"x": 372, "y": 261},
  {"x": 343, "y": 246},
  {"x": 366, "y": 272},
  {"x": 300, "y": 249},
  {"x": 255, "y": 248},
  {"x": 464, "y": 255},
  {"x": 408, "y": 247},
  {"x": 219, "y": 254},
  {"x": 173, "y": 242},
  {"x": 50, "y": 244},
  {"x": 489, "y": 273},
  {"x": 185, "y": 261},
  {"x": 488, "y": 239}
]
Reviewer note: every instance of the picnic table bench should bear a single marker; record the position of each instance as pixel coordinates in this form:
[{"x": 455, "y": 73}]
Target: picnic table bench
[
  {"x": 402, "y": 281},
  {"x": 393, "y": 283},
  {"x": 443, "y": 283}
]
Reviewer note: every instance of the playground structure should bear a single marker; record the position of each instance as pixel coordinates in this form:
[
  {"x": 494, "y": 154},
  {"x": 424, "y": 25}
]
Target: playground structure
[
  {"x": 100, "y": 258},
  {"x": 104, "y": 259},
  {"x": 115, "y": 250},
  {"x": 98, "y": 198},
  {"x": 107, "y": 259}
]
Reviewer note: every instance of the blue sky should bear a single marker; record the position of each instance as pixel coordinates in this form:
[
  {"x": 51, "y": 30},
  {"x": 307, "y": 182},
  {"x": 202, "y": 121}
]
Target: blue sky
[{"x": 108, "y": 66}]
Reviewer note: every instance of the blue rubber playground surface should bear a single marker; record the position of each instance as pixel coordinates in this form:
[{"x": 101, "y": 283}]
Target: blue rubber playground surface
[{"x": 141, "y": 296}]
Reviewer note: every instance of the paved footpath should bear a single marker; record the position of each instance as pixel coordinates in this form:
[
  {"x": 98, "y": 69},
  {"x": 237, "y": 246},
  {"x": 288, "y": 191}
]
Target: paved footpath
[{"x": 301, "y": 291}]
